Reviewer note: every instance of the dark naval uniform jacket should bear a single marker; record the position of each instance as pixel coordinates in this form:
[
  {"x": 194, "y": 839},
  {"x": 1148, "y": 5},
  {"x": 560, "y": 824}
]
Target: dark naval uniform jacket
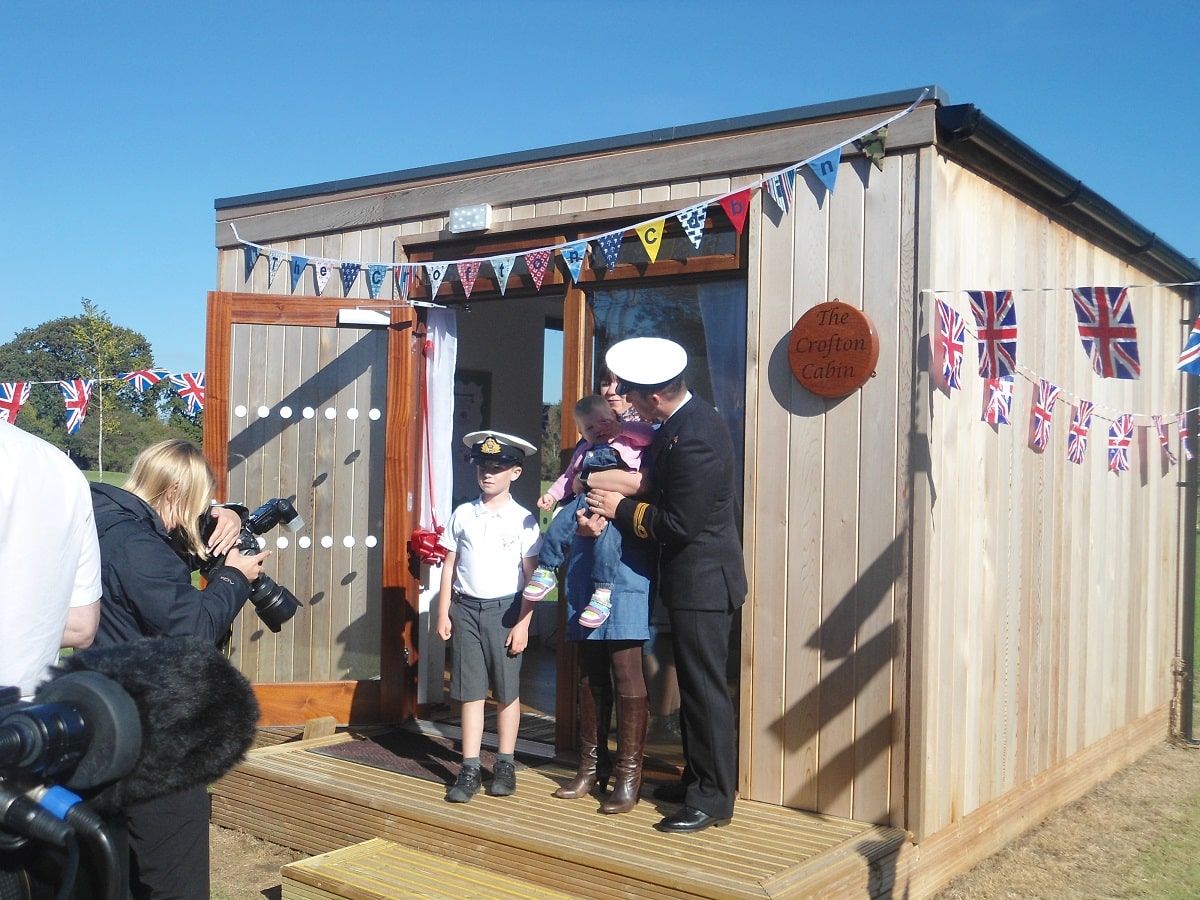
[{"x": 693, "y": 513}]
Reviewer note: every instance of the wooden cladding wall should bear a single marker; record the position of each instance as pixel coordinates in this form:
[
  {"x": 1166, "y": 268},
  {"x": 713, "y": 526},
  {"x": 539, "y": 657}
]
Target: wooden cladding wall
[
  {"x": 306, "y": 422},
  {"x": 1049, "y": 611},
  {"x": 823, "y": 653}
]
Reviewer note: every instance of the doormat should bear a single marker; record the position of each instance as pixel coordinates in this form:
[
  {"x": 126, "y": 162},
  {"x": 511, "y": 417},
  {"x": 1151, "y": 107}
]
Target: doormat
[{"x": 426, "y": 756}]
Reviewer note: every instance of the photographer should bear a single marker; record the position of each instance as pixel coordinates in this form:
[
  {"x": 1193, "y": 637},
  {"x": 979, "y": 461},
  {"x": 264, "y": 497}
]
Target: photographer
[{"x": 150, "y": 543}]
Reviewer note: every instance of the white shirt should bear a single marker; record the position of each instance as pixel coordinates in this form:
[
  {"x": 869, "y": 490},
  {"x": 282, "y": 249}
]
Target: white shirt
[
  {"x": 491, "y": 547},
  {"x": 49, "y": 554}
]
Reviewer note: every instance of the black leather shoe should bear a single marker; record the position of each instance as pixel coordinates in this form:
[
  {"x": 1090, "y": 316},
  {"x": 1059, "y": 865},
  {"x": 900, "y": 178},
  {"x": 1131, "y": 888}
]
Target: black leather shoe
[
  {"x": 688, "y": 820},
  {"x": 671, "y": 792}
]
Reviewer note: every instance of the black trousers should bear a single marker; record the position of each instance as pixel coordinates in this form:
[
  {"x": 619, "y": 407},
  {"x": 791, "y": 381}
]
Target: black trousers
[
  {"x": 706, "y": 713},
  {"x": 168, "y": 847}
]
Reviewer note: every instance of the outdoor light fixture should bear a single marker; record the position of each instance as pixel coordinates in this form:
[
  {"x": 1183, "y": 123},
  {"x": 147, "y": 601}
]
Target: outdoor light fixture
[
  {"x": 470, "y": 218},
  {"x": 371, "y": 318}
]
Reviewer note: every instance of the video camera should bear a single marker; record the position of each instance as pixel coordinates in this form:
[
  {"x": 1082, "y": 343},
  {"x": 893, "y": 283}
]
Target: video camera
[
  {"x": 274, "y": 603},
  {"x": 113, "y": 727}
]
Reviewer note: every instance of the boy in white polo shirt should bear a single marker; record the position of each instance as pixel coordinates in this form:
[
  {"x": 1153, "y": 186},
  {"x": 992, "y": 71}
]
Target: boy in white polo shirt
[{"x": 491, "y": 546}]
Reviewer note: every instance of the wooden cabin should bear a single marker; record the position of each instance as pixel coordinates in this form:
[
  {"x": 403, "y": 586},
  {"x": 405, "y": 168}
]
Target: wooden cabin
[{"x": 949, "y": 631}]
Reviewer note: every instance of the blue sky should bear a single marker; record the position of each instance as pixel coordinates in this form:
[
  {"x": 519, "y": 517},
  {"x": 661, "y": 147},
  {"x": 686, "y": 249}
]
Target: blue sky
[{"x": 124, "y": 121}]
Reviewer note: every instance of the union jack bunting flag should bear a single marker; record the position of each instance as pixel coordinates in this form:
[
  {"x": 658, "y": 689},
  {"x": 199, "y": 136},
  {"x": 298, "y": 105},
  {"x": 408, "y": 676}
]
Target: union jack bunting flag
[
  {"x": 1107, "y": 330},
  {"x": 1043, "y": 410},
  {"x": 1161, "y": 427},
  {"x": 999, "y": 404},
  {"x": 191, "y": 389},
  {"x": 1119, "y": 437},
  {"x": 951, "y": 333},
  {"x": 1189, "y": 359},
  {"x": 13, "y": 395},
  {"x": 143, "y": 379},
  {"x": 76, "y": 394},
  {"x": 1181, "y": 421},
  {"x": 996, "y": 318},
  {"x": 1077, "y": 437}
]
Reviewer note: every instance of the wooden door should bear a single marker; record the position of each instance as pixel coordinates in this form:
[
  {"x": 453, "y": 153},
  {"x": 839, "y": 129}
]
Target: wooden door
[{"x": 300, "y": 408}]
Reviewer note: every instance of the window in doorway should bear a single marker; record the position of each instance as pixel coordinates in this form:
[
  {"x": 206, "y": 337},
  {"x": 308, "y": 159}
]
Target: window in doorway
[{"x": 707, "y": 318}]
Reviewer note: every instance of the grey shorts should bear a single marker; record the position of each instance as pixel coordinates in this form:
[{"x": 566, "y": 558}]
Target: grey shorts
[{"x": 478, "y": 656}]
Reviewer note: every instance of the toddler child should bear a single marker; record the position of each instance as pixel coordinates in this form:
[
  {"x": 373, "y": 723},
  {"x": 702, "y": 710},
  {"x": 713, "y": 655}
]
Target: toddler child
[{"x": 608, "y": 443}]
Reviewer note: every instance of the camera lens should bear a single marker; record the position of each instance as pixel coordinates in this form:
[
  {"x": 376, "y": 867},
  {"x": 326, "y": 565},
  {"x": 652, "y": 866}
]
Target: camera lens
[{"x": 273, "y": 603}]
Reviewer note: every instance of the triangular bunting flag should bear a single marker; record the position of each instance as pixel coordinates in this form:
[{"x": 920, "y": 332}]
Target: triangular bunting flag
[
  {"x": 781, "y": 186},
  {"x": 274, "y": 259},
  {"x": 144, "y": 379},
  {"x": 610, "y": 245},
  {"x": 467, "y": 273},
  {"x": 251, "y": 258},
  {"x": 191, "y": 389},
  {"x": 1189, "y": 359},
  {"x": 651, "y": 234},
  {"x": 1043, "y": 411},
  {"x": 1181, "y": 421},
  {"x": 574, "y": 255},
  {"x": 825, "y": 167},
  {"x": 349, "y": 272},
  {"x": 692, "y": 219},
  {"x": 503, "y": 266},
  {"x": 874, "y": 145},
  {"x": 76, "y": 394},
  {"x": 297, "y": 265},
  {"x": 1120, "y": 435},
  {"x": 951, "y": 335},
  {"x": 996, "y": 321},
  {"x": 404, "y": 277},
  {"x": 736, "y": 206},
  {"x": 1161, "y": 427},
  {"x": 1107, "y": 330},
  {"x": 999, "y": 404},
  {"x": 322, "y": 269},
  {"x": 537, "y": 261},
  {"x": 13, "y": 395},
  {"x": 436, "y": 273},
  {"x": 1077, "y": 437},
  {"x": 376, "y": 278}
]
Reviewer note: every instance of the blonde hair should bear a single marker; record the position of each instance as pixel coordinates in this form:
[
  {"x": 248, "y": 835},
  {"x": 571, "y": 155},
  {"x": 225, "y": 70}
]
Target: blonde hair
[{"x": 175, "y": 462}]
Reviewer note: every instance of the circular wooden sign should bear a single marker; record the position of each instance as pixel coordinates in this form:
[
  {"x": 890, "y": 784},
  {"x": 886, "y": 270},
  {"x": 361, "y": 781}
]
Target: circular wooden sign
[{"x": 833, "y": 349}]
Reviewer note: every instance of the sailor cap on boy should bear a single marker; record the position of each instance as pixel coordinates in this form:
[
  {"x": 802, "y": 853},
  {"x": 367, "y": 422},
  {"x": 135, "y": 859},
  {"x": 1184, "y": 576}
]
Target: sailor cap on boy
[
  {"x": 645, "y": 362},
  {"x": 496, "y": 446}
]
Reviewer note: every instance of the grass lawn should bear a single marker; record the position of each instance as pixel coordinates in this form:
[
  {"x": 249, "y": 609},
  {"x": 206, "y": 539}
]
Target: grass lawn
[{"x": 115, "y": 478}]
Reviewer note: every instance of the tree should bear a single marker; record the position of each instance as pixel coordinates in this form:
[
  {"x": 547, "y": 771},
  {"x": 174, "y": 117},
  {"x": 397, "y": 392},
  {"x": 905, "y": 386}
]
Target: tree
[{"x": 121, "y": 419}]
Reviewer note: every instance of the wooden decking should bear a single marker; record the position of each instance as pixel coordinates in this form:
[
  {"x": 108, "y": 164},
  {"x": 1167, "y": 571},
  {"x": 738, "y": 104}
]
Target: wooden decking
[{"x": 317, "y": 804}]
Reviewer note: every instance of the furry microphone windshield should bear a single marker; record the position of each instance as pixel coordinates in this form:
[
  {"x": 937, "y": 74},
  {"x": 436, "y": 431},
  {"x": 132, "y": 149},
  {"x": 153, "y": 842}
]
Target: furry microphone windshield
[{"x": 198, "y": 713}]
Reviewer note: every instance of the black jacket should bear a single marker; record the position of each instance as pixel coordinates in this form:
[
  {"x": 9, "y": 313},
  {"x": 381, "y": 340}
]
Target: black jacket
[
  {"x": 147, "y": 585},
  {"x": 693, "y": 512}
]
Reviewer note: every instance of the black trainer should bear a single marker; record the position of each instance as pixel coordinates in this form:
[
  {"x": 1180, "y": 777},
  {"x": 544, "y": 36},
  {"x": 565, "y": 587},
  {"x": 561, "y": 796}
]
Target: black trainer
[
  {"x": 465, "y": 786},
  {"x": 504, "y": 778}
]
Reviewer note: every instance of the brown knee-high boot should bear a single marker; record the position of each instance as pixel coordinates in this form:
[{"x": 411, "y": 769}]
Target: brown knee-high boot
[
  {"x": 632, "y": 716},
  {"x": 595, "y": 713}
]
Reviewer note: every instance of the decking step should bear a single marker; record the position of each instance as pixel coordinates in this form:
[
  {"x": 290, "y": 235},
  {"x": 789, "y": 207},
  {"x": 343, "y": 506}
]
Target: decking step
[{"x": 381, "y": 870}]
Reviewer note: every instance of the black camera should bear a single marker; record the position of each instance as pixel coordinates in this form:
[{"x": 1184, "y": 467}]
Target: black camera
[{"x": 274, "y": 603}]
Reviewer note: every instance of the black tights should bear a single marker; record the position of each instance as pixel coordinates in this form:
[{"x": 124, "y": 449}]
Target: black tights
[{"x": 623, "y": 659}]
